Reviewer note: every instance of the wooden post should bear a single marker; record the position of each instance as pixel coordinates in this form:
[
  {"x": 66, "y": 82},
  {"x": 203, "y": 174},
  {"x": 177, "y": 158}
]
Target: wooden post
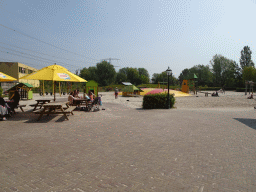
[
  {"x": 59, "y": 89},
  {"x": 53, "y": 87},
  {"x": 43, "y": 87},
  {"x": 245, "y": 88}
]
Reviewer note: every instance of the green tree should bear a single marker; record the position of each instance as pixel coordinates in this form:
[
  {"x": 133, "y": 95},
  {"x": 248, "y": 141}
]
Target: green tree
[
  {"x": 144, "y": 79},
  {"x": 144, "y": 75},
  {"x": 246, "y": 57},
  {"x": 184, "y": 75},
  {"x": 203, "y": 73},
  {"x": 89, "y": 74},
  {"x": 133, "y": 76},
  {"x": 121, "y": 77},
  {"x": 224, "y": 71},
  {"x": 249, "y": 74},
  {"x": 105, "y": 73}
]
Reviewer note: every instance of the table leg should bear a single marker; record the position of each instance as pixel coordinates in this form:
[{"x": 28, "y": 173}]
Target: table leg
[
  {"x": 50, "y": 110},
  {"x": 41, "y": 114},
  {"x": 35, "y": 107},
  {"x": 21, "y": 109},
  {"x": 64, "y": 113}
]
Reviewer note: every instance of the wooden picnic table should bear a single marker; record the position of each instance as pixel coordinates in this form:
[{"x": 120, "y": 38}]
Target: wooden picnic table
[
  {"x": 78, "y": 102},
  {"x": 40, "y": 103},
  {"x": 55, "y": 108}
]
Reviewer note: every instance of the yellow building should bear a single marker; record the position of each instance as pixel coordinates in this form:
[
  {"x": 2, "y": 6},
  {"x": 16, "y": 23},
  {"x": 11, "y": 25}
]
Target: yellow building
[{"x": 17, "y": 70}]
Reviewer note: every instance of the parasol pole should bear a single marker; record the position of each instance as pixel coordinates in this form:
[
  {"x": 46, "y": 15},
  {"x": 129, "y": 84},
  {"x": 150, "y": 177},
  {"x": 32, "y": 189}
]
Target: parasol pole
[
  {"x": 59, "y": 89},
  {"x": 53, "y": 91},
  {"x": 43, "y": 87}
]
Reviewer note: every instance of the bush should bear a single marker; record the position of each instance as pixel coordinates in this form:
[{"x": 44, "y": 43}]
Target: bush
[
  {"x": 157, "y": 101},
  {"x": 1, "y": 92},
  {"x": 209, "y": 88},
  {"x": 241, "y": 90}
]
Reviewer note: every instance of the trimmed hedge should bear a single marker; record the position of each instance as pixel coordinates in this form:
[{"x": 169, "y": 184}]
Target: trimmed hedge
[
  {"x": 241, "y": 90},
  {"x": 157, "y": 101},
  {"x": 1, "y": 92}
]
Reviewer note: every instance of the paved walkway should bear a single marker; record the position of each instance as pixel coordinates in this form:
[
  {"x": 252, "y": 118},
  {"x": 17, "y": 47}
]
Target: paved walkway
[{"x": 127, "y": 149}]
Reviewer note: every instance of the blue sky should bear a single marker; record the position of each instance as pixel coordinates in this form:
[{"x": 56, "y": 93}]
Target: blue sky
[{"x": 141, "y": 33}]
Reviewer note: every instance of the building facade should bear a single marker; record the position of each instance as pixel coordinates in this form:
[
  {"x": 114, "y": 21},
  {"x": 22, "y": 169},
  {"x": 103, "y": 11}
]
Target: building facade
[{"x": 17, "y": 70}]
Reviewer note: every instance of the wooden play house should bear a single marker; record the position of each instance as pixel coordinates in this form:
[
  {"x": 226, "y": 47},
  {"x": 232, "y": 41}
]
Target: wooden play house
[
  {"x": 92, "y": 86},
  {"x": 24, "y": 89}
]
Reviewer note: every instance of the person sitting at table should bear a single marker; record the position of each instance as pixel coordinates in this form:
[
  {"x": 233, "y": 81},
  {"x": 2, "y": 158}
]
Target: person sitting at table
[
  {"x": 86, "y": 96},
  {"x": 91, "y": 96},
  {"x": 16, "y": 99},
  {"x": 77, "y": 93},
  {"x": 71, "y": 98},
  {"x": 3, "y": 109}
]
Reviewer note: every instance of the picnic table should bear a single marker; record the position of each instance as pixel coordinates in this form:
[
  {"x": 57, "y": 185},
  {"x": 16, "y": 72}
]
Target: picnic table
[
  {"x": 55, "y": 108},
  {"x": 79, "y": 102},
  {"x": 9, "y": 102},
  {"x": 40, "y": 103}
]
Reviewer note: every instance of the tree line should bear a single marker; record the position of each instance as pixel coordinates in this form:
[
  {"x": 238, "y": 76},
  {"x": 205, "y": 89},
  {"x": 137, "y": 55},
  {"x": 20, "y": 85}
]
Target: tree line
[
  {"x": 220, "y": 72},
  {"x": 223, "y": 72},
  {"x": 104, "y": 73}
]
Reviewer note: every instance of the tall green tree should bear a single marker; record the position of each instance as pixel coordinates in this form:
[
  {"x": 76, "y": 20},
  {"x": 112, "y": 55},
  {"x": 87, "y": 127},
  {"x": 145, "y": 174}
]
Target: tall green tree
[
  {"x": 249, "y": 74},
  {"x": 106, "y": 73},
  {"x": 246, "y": 57},
  {"x": 163, "y": 78},
  {"x": 89, "y": 73},
  {"x": 144, "y": 75},
  {"x": 133, "y": 76},
  {"x": 224, "y": 71},
  {"x": 183, "y": 75},
  {"x": 203, "y": 73},
  {"x": 121, "y": 77}
]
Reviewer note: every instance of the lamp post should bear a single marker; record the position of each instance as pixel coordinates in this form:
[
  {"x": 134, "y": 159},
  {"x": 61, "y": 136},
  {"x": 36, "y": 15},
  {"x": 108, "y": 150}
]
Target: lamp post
[{"x": 168, "y": 71}]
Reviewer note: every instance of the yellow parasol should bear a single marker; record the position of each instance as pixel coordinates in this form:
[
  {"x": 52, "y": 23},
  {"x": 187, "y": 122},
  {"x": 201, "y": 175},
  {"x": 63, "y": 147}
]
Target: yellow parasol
[
  {"x": 4, "y": 77},
  {"x": 54, "y": 73}
]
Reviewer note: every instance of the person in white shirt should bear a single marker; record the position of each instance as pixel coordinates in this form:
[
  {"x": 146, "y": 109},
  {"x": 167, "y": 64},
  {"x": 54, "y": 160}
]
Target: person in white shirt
[{"x": 71, "y": 98}]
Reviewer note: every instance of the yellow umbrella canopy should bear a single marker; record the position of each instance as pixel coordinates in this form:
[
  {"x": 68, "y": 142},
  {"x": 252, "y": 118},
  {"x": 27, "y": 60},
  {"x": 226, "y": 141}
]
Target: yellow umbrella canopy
[
  {"x": 4, "y": 77},
  {"x": 54, "y": 73}
]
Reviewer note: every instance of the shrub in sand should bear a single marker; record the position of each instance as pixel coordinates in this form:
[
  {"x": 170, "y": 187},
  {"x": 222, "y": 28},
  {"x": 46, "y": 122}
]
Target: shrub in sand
[{"x": 157, "y": 101}]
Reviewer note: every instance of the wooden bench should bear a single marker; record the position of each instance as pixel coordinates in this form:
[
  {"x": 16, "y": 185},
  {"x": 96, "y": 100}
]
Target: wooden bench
[
  {"x": 21, "y": 107},
  {"x": 70, "y": 109},
  {"x": 38, "y": 111}
]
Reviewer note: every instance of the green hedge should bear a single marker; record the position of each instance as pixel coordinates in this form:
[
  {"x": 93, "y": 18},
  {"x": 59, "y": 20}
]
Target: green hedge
[
  {"x": 1, "y": 92},
  {"x": 157, "y": 101},
  {"x": 156, "y": 86},
  {"x": 241, "y": 89}
]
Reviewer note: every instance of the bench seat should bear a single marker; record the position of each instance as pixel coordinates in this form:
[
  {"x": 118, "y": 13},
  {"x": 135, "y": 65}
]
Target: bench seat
[
  {"x": 21, "y": 107},
  {"x": 70, "y": 109},
  {"x": 38, "y": 111}
]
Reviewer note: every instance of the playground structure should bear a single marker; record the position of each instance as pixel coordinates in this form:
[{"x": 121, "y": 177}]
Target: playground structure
[
  {"x": 189, "y": 85},
  {"x": 251, "y": 83}
]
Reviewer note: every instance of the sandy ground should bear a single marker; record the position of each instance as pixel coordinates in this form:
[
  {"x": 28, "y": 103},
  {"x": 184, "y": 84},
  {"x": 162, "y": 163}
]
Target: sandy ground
[{"x": 228, "y": 100}]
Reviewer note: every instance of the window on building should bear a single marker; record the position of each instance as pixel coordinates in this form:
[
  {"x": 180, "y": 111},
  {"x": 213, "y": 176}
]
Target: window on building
[
  {"x": 30, "y": 71},
  {"x": 22, "y": 70}
]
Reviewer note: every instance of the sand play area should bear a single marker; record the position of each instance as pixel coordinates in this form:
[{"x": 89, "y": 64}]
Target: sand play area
[{"x": 230, "y": 99}]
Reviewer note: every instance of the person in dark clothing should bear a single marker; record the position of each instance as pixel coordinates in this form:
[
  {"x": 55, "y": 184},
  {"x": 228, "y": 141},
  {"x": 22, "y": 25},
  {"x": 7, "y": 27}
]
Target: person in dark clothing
[
  {"x": 3, "y": 109},
  {"x": 16, "y": 99}
]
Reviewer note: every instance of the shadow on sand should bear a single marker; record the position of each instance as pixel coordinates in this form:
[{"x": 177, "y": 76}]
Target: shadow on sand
[
  {"x": 30, "y": 117},
  {"x": 248, "y": 122}
]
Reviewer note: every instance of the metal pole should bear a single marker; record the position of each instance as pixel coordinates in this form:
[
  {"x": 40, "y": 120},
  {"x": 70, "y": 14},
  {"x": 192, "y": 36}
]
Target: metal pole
[
  {"x": 59, "y": 89},
  {"x": 168, "y": 98},
  {"x": 43, "y": 87}
]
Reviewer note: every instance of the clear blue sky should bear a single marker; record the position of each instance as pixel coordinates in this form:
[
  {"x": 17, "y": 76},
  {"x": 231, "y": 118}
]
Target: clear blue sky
[{"x": 153, "y": 34}]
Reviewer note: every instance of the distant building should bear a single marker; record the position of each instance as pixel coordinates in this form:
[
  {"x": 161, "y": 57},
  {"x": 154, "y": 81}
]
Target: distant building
[{"x": 17, "y": 70}]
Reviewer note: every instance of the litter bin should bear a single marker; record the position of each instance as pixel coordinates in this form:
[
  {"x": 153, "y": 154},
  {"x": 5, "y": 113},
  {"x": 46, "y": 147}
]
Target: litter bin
[{"x": 30, "y": 94}]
